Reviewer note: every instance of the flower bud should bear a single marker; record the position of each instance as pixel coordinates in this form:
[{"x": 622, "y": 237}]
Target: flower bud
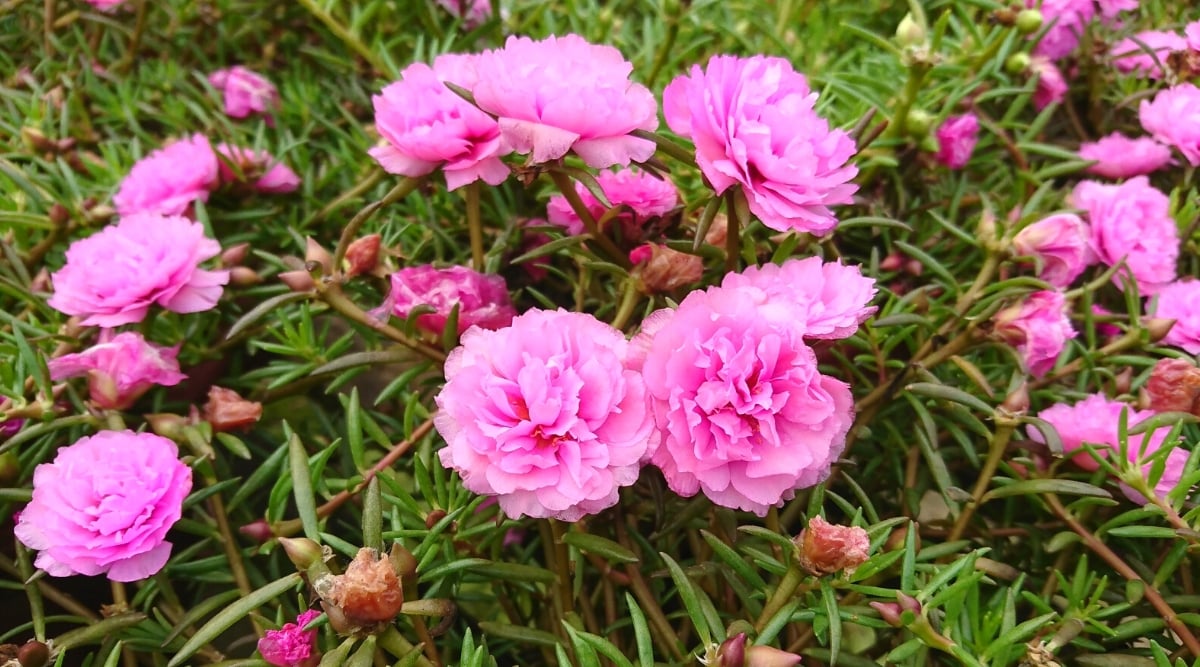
[
  {"x": 58, "y": 214},
  {"x": 1017, "y": 403},
  {"x": 918, "y": 123},
  {"x": 36, "y": 141},
  {"x": 244, "y": 276},
  {"x": 314, "y": 252},
  {"x": 363, "y": 255},
  {"x": 909, "y": 32},
  {"x": 717, "y": 231},
  {"x": 33, "y": 654},
  {"x": 731, "y": 652},
  {"x": 10, "y": 468},
  {"x": 1174, "y": 386},
  {"x": 889, "y": 612},
  {"x": 258, "y": 531},
  {"x": 767, "y": 656},
  {"x": 298, "y": 281},
  {"x": 1017, "y": 63},
  {"x": 404, "y": 563},
  {"x": 167, "y": 425},
  {"x": 1029, "y": 21},
  {"x": 227, "y": 411},
  {"x": 663, "y": 270},
  {"x": 234, "y": 255},
  {"x": 367, "y": 595},
  {"x": 1158, "y": 327},
  {"x": 824, "y": 548},
  {"x": 303, "y": 552}
]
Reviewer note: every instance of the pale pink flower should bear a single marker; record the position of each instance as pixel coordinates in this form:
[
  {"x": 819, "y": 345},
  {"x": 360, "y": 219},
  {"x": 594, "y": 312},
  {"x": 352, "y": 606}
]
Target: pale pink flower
[
  {"x": 1173, "y": 118},
  {"x": 104, "y": 506},
  {"x": 1192, "y": 34},
  {"x": 831, "y": 298},
  {"x": 1066, "y": 21},
  {"x": 291, "y": 645},
  {"x": 1129, "y": 56},
  {"x": 1038, "y": 327},
  {"x": 1051, "y": 86},
  {"x": 106, "y": 5},
  {"x": 545, "y": 414},
  {"x": 1110, "y": 8},
  {"x": 743, "y": 412},
  {"x": 755, "y": 126},
  {"x": 114, "y": 276},
  {"x": 646, "y": 196},
  {"x": 562, "y": 94},
  {"x": 1118, "y": 156},
  {"x": 245, "y": 91},
  {"x": 1180, "y": 301},
  {"x": 427, "y": 126},
  {"x": 120, "y": 369},
  {"x": 956, "y": 140},
  {"x": 268, "y": 174},
  {"x": 1131, "y": 222},
  {"x": 481, "y": 299},
  {"x": 169, "y": 179},
  {"x": 1096, "y": 421},
  {"x": 1061, "y": 243},
  {"x": 472, "y": 13}
]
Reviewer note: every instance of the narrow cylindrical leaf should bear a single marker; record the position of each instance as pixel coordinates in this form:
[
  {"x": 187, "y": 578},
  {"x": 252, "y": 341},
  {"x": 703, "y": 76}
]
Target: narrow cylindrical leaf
[
  {"x": 306, "y": 502},
  {"x": 230, "y": 615}
]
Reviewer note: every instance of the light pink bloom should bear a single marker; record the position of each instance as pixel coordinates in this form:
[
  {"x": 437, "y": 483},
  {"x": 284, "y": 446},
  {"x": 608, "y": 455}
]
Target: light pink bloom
[
  {"x": 754, "y": 125},
  {"x": 104, "y": 506},
  {"x": 743, "y": 412},
  {"x": 830, "y": 297},
  {"x": 245, "y": 91},
  {"x": 1051, "y": 86},
  {"x": 291, "y": 645},
  {"x": 545, "y": 414},
  {"x": 1131, "y": 222},
  {"x": 1129, "y": 56},
  {"x": 106, "y": 5},
  {"x": 1096, "y": 421},
  {"x": 169, "y": 179},
  {"x": 1118, "y": 156},
  {"x": 269, "y": 175},
  {"x": 646, "y": 195},
  {"x": 1180, "y": 301},
  {"x": 1066, "y": 21},
  {"x": 1173, "y": 117},
  {"x": 472, "y": 13},
  {"x": 562, "y": 94},
  {"x": 114, "y": 276},
  {"x": 1061, "y": 243},
  {"x": 956, "y": 140},
  {"x": 120, "y": 369},
  {"x": 1192, "y": 34},
  {"x": 481, "y": 299},
  {"x": 1038, "y": 327},
  {"x": 1110, "y": 8},
  {"x": 427, "y": 126}
]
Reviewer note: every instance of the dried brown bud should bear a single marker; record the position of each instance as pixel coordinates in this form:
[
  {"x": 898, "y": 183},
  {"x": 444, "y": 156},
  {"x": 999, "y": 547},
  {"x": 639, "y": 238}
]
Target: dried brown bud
[
  {"x": 58, "y": 214},
  {"x": 363, "y": 255},
  {"x": 368, "y": 594},
  {"x": 717, "y": 231},
  {"x": 824, "y": 548},
  {"x": 433, "y": 517},
  {"x": 1124, "y": 380},
  {"x": 234, "y": 255},
  {"x": 227, "y": 411},
  {"x": 40, "y": 282},
  {"x": 1174, "y": 386},
  {"x": 33, "y": 654},
  {"x": 664, "y": 270}
]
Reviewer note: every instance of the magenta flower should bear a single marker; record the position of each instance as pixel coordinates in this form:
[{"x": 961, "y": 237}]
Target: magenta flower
[
  {"x": 291, "y": 645},
  {"x": 104, "y": 506},
  {"x": 1173, "y": 118},
  {"x": 1129, "y": 56},
  {"x": 120, "y": 369},
  {"x": 1180, "y": 301},
  {"x": 546, "y": 414},
  {"x": 481, "y": 299},
  {"x": 563, "y": 94},
  {"x": 1131, "y": 222},
  {"x": 106, "y": 5},
  {"x": 831, "y": 298},
  {"x": 1038, "y": 327},
  {"x": 1067, "y": 19},
  {"x": 956, "y": 140},
  {"x": 246, "y": 92},
  {"x": 1118, "y": 156},
  {"x": 1191, "y": 34},
  {"x": 427, "y": 126},
  {"x": 754, "y": 125},
  {"x": 743, "y": 413},
  {"x": 1061, "y": 244},
  {"x": 239, "y": 165},
  {"x": 1096, "y": 421},
  {"x": 1051, "y": 86},
  {"x": 472, "y": 13},
  {"x": 114, "y": 276},
  {"x": 169, "y": 179},
  {"x": 645, "y": 195}
]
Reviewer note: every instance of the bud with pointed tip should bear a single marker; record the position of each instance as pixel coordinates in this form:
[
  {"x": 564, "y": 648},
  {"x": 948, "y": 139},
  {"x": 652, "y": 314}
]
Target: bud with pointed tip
[
  {"x": 1017, "y": 403},
  {"x": 244, "y": 276},
  {"x": 363, "y": 255},
  {"x": 767, "y": 656},
  {"x": 315, "y": 252},
  {"x": 731, "y": 652},
  {"x": 258, "y": 531},
  {"x": 58, "y": 214},
  {"x": 298, "y": 281},
  {"x": 889, "y": 612},
  {"x": 167, "y": 425},
  {"x": 404, "y": 563},
  {"x": 909, "y": 32},
  {"x": 1158, "y": 327},
  {"x": 234, "y": 255},
  {"x": 303, "y": 552}
]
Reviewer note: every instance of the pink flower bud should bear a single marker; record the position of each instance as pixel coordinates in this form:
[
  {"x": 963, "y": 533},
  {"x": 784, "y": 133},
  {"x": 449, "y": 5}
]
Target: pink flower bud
[
  {"x": 767, "y": 656},
  {"x": 258, "y": 531},
  {"x": 363, "y": 255},
  {"x": 1060, "y": 242}
]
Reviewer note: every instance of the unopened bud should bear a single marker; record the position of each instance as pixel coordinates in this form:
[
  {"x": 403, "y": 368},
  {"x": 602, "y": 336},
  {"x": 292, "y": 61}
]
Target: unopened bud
[
  {"x": 909, "y": 32},
  {"x": 58, "y": 214},
  {"x": 1123, "y": 382},
  {"x": 824, "y": 548},
  {"x": 1158, "y": 327},
  {"x": 368, "y": 594},
  {"x": 717, "y": 231},
  {"x": 303, "y": 552},
  {"x": 1017, "y": 63},
  {"x": 259, "y": 531},
  {"x": 298, "y": 281},
  {"x": 1174, "y": 386},
  {"x": 918, "y": 123},
  {"x": 1029, "y": 21},
  {"x": 363, "y": 255},
  {"x": 40, "y": 282},
  {"x": 664, "y": 270},
  {"x": 244, "y": 276},
  {"x": 1017, "y": 403},
  {"x": 235, "y": 255},
  {"x": 731, "y": 652},
  {"x": 33, "y": 654},
  {"x": 36, "y": 141},
  {"x": 404, "y": 563},
  {"x": 227, "y": 411},
  {"x": 314, "y": 252},
  {"x": 101, "y": 214},
  {"x": 889, "y": 612},
  {"x": 767, "y": 656},
  {"x": 434, "y": 517},
  {"x": 167, "y": 425}
]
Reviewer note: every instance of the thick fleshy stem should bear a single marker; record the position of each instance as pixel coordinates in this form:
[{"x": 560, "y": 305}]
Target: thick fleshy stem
[
  {"x": 999, "y": 444},
  {"x": 475, "y": 226},
  {"x": 629, "y": 300},
  {"x": 783, "y": 594},
  {"x": 121, "y": 604},
  {"x": 737, "y": 211},
  {"x": 563, "y": 182},
  {"x": 332, "y": 295}
]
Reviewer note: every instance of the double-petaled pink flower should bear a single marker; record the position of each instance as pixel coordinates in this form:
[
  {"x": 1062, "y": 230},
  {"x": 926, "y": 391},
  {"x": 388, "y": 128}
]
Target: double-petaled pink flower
[
  {"x": 1131, "y": 222},
  {"x": 956, "y": 140},
  {"x": 1119, "y": 156},
  {"x": 1180, "y": 301},
  {"x": 1150, "y": 55},
  {"x": 481, "y": 299},
  {"x": 1051, "y": 86},
  {"x": 120, "y": 369},
  {"x": 291, "y": 645},
  {"x": 1173, "y": 118},
  {"x": 169, "y": 179},
  {"x": 245, "y": 92},
  {"x": 259, "y": 168},
  {"x": 830, "y": 297},
  {"x": 644, "y": 195},
  {"x": 1038, "y": 327},
  {"x": 472, "y": 13},
  {"x": 1062, "y": 245}
]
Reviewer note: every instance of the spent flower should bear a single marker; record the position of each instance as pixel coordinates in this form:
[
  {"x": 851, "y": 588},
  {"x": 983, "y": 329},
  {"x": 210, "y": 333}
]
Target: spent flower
[
  {"x": 481, "y": 299},
  {"x": 245, "y": 92}
]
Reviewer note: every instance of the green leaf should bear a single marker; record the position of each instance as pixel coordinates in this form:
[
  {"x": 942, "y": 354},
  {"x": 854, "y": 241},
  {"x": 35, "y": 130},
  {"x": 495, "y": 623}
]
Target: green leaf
[
  {"x": 641, "y": 633},
  {"x": 232, "y": 614},
  {"x": 274, "y": 303},
  {"x": 1018, "y": 634},
  {"x": 98, "y": 631},
  {"x": 733, "y": 560},
  {"x": 519, "y": 633},
  {"x": 1035, "y": 486},
  {"x": 372, "y": 516},
  {"x": 600, "y": 546},
  {"x": 689, "y": 593},
  {"x": 337, "y": 657},
  {"x": 365, "y": 654},
  {"x": 1145, "y": 532},
  {"x": 829, "y": 597},
  {"x": 200, "y": 611},
  {"x": 514, "y": 572},
  {"x": 370, "y": 358},
  {"x": 946, "y": 393},
  {"x": 585, "y": 653},
  {"x": 302, "y": 490}
]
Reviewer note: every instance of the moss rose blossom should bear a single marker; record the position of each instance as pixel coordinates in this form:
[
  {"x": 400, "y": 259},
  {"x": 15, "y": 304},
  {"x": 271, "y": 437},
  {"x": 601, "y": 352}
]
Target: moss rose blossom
[
  {"x": 245, "y": 91},
  {"x": 1038, "y": 327},
  {"x": 169, "y": 179},
  {"x": 1060, "y": 243},
  {"x": 1180, "y": 301},
  {"x": 481, "y": 299},
  {"x": 120, "y": 369},
  {"x": 645, "y": 195},
  {"x": 1131, "y": 222},
  {"x": 1173, "y": 118},
  {"x": 831, "y": 297},
  {"x": 1119, "y": 156},
  {"x": 291, "y": 645}
]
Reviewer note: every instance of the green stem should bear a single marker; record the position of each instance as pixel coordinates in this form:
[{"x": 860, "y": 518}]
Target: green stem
[
  {"x": 475, "y": 226},
  {"x": 1004, "y": 430},
  {"x": 782, "y": 595},
  {"x": 347, "y": 37},
  {"x": 567, "y": 188},
  {"x": 332, "y": 295},
  {"x": 629, "y": 300},
  {"x": 135, "y": 40},
  {"x": 737, "y": 215},
  {"x": 562, "y": 559},
  {"x": 350, "y": 232},
  {"x": 121, "y": 604}
]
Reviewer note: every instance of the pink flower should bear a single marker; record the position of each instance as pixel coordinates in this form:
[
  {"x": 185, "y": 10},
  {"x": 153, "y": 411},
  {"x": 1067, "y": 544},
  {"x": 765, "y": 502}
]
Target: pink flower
[
  {"x": 1118, "y": 156},
  {"x": 112, "y": 277},
  {"x": 646, "y": 196},
  {"x": 246, "y": 92},
  {"x": 546, "y": 414},
  {"x": 956, "y": 140},
  {"x": 1051, "y": 86},
  {"x": 427, "y": 126},
  {"x": 1105, "y": 329},
  {"x": 120, "y": 369},
  {"x": 104, "y": 506},
  {"x": 1180, "y": 301},
  {"x": 563, "y": 94},
  {"x": 1061, "y": 245},
  {"x": 481, "y": 299},
  {"x": 291, "y": 645},
  {"x": 1173, "y": 118},
  {"x": 1131, "y": 222},
  {"x": 169, "y": 179},
  {"x": 1110, "y": 8},
  {"x": 1096, "y": 421},
  {"x": 1129, "y": 56},
  {"x": 830, "y": 297},
  {"x": 1192, "y": 34},
  {"x": 472, "y": 13},
  {"x": 1038, "y": 327},
  {"x": 269, "y": 175},
  {"x": 106, "y": 5},
  {"x": 754, "y": 124},
  {"x": 743, "y": 412},
  {"x": 1067, "y": 19}
]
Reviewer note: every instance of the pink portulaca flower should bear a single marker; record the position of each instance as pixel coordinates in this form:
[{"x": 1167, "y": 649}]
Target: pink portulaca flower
[
  {"x": 1067, "y": 20},
  {"x": 1130, "y": 56},
  {"x": 1118, "y": 156},
  {"x": 645, "y": 195},
  {"x": 1131, "y": 222},
  {"x": 1061, "y": 243},
  {"x": 1192, "y": 35},
  {"x": 106, "y": 5},
  {"x": 114, "y": 276},
  {"x": 743, "y": 413},
  {"x": 1051, "y": 86},
  {"x": 1096, "y": 421},
  {"x": 563, "y": 94},
  {"x": 291, "y": 645},
  {"x": 831, "y": 298},
  {"x": 472, "y": 13},
  {"x": 169, "y": 179},
  {"x": 1174, "y": 468},
  {"x": 956, "y": 140},
  {"x": 120, "y": 369},
  {"x": 268, "y": 175},
  {"x": 1180, "y": 301},
  {"x": 1038, "y": 327},
  {"x": 1173, "y": 118},
  {"x": 754, "y": 125},
  {"x": 482, "y": 299},
  {"x": 426, "y": 126},
  {"x": 245, "y": 91},
  {"x": 104, "y": 506},
  {"x": 545, "y": 414}
]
